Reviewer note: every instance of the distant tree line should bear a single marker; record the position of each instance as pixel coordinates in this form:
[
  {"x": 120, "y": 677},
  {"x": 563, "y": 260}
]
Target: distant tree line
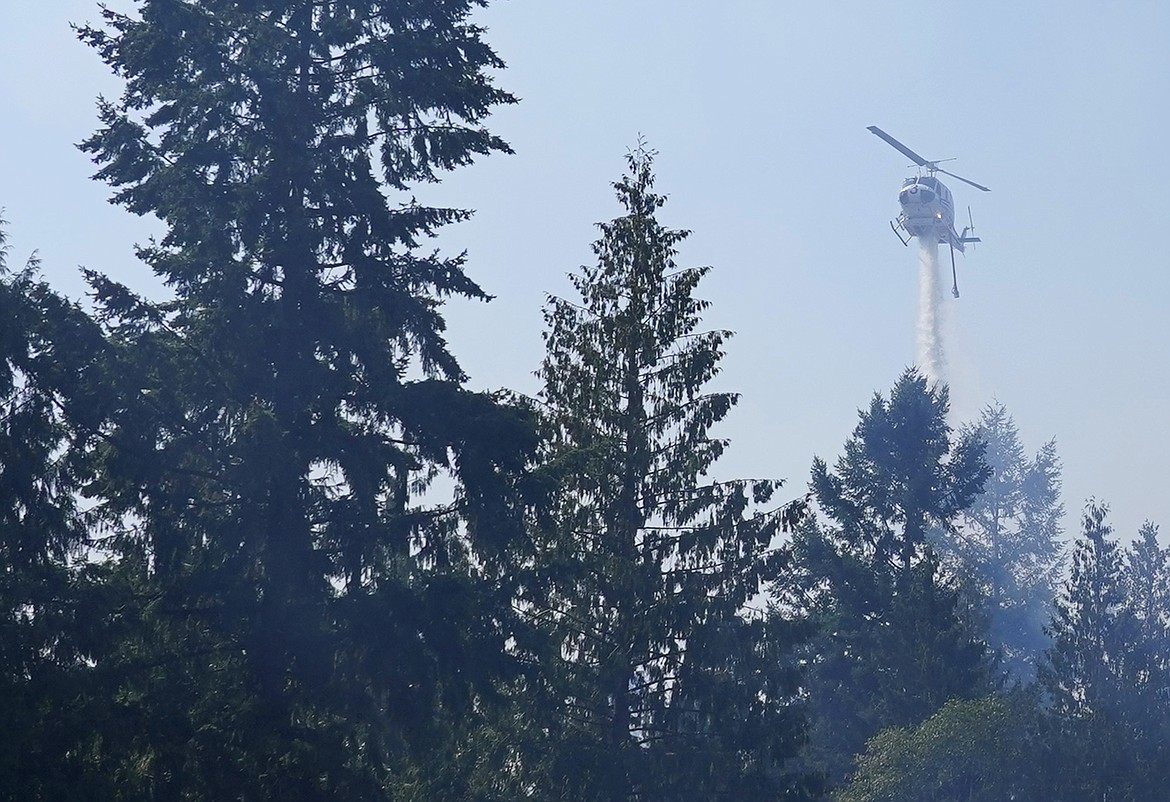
[{"x": 229, "y": 570}]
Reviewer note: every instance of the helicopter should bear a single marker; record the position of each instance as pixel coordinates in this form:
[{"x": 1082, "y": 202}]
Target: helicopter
[{"x": 928, "y": 209}]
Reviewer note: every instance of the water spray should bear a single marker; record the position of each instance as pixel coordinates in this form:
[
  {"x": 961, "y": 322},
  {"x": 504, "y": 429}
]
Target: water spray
[{"x": 931, "y": 355}]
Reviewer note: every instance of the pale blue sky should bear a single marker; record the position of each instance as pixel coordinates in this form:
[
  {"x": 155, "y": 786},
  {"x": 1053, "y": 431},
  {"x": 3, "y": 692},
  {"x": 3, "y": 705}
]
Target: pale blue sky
[{"x": 759, "y": 110}]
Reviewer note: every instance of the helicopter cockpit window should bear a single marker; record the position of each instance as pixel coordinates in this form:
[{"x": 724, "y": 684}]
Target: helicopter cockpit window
[{"x": 917, "y": 193}]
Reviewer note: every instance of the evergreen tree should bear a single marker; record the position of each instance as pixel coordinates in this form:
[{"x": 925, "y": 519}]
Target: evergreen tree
[
  {"x": 1105, "y": 674},
  {"x": 1147, "y": 609},
  {"x": 1085, "y": 628},
  {"x": 1006, "y": 547},
  {"x": 657, "y": 686},
  {"x": 43, "y": 627},
  {"x": 303, "y": 625},
  {"x": 894, "y": 643},
  {"x": 1146, "y": 691}
]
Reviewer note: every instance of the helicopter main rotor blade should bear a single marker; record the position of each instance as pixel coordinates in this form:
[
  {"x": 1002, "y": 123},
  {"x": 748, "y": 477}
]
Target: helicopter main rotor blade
[
  {"x": 905, "y": 151},
  {"x": 964, "y": 180}
]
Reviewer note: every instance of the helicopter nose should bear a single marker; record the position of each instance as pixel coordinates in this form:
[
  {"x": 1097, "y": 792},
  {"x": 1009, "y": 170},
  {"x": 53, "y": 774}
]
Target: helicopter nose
[{"x": 916, "y": 194}]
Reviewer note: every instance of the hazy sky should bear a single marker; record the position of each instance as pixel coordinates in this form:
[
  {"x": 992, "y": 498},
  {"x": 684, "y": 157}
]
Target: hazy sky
[{"x": 758, "y": 110}]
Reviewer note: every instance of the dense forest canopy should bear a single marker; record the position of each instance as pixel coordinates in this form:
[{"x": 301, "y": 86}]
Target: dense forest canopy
[{"x": 259, "y": 541}]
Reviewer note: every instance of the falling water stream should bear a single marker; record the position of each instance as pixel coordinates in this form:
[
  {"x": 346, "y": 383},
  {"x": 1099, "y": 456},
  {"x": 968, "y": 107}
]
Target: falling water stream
[{"x": 930, "y": 356}]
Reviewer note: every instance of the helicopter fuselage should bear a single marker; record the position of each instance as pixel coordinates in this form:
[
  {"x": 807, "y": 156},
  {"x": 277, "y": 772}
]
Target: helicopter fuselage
[{"x": 928, "y": 211}]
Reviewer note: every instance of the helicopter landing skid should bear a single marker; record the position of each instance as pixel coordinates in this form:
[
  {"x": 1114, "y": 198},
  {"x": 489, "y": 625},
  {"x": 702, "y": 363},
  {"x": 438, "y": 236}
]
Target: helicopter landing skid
[{"x": 894, "y": 228}]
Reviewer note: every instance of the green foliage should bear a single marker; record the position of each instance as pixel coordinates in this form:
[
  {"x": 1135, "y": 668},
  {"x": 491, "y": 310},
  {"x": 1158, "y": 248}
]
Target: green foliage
[
  {"x": 47, "y": 592},
  {"x": 1096, "y": 726},
  {"x": 653, "y": 685},
  {"x": 228, "y": 568},
  {"x": 1006, "y": 548},
  {"x": 1146, "y": 581},
  {"x": 976, "y": 750},
  {"x": 1107, "y": 673},
  {"x": 900, "y": 474},
  {"x": 1089, "y": 640},
  {"x": 894, "y": 643},
  {"x": 283, "y": 616}
]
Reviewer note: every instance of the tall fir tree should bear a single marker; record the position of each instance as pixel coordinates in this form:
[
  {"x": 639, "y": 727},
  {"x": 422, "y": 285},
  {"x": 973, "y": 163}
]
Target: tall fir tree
[
  {"x": 307, "y": 625},
  {"x": 1085, "y": 628},
  {"x": 894, "y": 642},
  {"x": 1146, "y": 690},
  {"x": 1007, "y": 544},
  {"x": 1105, "y": 674},
  {"x": 1147, "y": 608},
  {"x": 47, "y": 598},
  {"x": 655, "y": 684}
]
